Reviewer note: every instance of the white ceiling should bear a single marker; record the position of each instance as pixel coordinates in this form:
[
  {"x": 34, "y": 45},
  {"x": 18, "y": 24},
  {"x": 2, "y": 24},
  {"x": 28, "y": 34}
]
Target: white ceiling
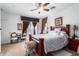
[{"x": 23, "y": 9}]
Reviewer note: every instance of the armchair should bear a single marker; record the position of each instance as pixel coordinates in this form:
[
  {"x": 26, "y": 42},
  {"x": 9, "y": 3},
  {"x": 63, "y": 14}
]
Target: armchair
[{"x": 14, "y": 37}]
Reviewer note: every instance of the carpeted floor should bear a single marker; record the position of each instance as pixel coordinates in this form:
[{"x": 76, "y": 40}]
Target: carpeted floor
[
  {"x": 18, "y": 49},
  {"x": 63, "y": 52}
]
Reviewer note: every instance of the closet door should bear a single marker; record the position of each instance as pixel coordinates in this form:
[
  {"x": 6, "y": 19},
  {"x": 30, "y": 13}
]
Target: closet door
[
  {"x": 4, "y": 32},
  {"x": 0, "y": 30}
]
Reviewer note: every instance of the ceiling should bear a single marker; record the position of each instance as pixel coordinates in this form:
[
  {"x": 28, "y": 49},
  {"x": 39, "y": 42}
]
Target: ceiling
[{"x": 23, "y": 9}]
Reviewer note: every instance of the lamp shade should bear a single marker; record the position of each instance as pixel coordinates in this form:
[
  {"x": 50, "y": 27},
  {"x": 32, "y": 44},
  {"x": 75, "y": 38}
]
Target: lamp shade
[{"x": 75, "y": 27}]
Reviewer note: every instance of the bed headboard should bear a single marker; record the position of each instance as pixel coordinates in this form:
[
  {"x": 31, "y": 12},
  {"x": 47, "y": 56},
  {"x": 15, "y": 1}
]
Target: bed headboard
[{"x": 63, "y": 28}]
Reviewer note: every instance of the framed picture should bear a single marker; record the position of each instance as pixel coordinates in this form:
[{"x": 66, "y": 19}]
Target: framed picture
[
  {"x": 19, "y": 26},
  {"x": 58, "y": 21}
]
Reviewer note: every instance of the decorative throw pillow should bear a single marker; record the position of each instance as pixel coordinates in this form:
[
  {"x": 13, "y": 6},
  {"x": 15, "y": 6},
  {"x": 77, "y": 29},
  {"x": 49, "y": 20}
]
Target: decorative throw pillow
[{"x": 57, "y": 29}]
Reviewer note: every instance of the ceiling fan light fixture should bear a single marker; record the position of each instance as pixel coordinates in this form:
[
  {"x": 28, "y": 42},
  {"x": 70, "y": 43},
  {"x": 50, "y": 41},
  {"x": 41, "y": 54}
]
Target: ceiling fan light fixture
[
  {"x": 40, "y": 9},
  {"x": 43, "y": 7}
]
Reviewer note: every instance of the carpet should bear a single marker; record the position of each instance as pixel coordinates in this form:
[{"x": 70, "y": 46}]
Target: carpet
[{"x": 62, "y": 53}]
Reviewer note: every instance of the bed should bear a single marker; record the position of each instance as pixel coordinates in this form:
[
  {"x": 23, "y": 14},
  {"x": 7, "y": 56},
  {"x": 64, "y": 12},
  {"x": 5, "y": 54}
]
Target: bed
[{"x": 52, "y": 41}]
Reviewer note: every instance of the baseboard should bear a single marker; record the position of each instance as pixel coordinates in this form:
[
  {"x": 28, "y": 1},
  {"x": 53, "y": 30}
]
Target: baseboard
[{"x": 5, "y": 43}]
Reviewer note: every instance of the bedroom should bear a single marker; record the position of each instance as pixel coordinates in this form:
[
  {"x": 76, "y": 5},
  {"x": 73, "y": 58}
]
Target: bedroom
[{"x": 13, "y": 15}]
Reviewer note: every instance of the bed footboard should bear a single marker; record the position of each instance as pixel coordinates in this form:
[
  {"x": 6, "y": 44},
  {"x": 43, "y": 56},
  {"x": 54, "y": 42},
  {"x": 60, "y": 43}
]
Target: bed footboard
[
  {"x": 30, "y": 37},
  {"x": 39, "y": 46}
]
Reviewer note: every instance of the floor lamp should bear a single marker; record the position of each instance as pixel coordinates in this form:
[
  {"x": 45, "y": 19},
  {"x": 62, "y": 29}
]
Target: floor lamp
[{"x": 74, "y": 29}]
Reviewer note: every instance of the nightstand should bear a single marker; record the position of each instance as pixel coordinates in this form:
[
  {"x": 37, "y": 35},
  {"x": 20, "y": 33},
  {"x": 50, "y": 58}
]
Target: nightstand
[{"x": 73, "y": 44}]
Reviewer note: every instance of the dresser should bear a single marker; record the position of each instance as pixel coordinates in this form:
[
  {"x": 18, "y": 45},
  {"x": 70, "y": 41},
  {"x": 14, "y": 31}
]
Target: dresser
[{"x": 73, "y": 44}]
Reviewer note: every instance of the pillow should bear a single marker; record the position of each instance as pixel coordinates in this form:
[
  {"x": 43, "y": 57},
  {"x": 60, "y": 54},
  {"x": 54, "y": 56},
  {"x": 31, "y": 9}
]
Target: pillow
[
  {"x": 51, "y": 32},
  {"x": 55, "y": 33},
  {"x": 63, "y": 32},
  {"x": 57, "y": 29},
  {"x": 58, "y": 32}
]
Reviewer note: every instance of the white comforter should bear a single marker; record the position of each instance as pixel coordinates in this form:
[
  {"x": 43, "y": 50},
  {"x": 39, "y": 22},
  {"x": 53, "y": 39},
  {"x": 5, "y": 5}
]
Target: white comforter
[{"x": 53, "y": 41}]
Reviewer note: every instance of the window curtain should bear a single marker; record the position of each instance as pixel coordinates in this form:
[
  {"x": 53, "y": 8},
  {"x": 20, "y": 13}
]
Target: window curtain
[
  {"x": 27, "y": 21},
  {"x": 31, "y": 27},
  {"x": 25, "y": 26},
  {"x": 34, "y": 25},
  {"x": 44, "y": 21},
  {"x": 36, "y": 29}
]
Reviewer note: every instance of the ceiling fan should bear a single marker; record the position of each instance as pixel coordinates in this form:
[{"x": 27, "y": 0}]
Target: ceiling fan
[{"x": 42, "y": 7}]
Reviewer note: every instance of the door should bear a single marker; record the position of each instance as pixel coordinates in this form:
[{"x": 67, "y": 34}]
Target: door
[
  {"x": 0, "y": 39},
  {"x": 4, "y": 32},
  {"x": 0, "y": 30}
]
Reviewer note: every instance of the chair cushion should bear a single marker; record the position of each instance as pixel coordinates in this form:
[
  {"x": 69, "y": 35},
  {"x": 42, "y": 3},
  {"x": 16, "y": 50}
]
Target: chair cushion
[
  {"x": 23, "y": 37},
  {"x": 14, "y": 38}
]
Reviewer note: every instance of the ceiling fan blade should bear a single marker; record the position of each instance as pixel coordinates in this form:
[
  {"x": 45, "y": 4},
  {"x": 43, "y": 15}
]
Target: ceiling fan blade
[
  {"x": 46, "y": 4},
  {"x": 52, "y": 7},
  {"x": 46, "y": 9},
  {"x": 33, "y": 9},
  {"x": 39, "y": 4}
]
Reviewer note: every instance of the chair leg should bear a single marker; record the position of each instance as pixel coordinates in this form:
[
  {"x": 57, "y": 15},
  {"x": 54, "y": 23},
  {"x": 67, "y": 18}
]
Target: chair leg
[
  {"x": 17, "y": 40},
  {"x": 11, "y": 41}
]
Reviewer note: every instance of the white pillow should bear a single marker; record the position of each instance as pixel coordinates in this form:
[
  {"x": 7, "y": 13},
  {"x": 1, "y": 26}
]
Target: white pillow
[
  {"x": 54, "y": 32},
  {"x": 63, "y": 32},
  {"x": 51, "y": 32},
  {"x": 57, "y": 29}
]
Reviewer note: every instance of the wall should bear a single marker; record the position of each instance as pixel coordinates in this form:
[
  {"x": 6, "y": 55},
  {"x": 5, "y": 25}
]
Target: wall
[
  {"x": 39, "y": 26},
  {"x": 9, "y": 24},
  {"x": 0, "y": 30},
  {"x": 70, "y": 16},
  {"x": 9, "y": 21}
]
